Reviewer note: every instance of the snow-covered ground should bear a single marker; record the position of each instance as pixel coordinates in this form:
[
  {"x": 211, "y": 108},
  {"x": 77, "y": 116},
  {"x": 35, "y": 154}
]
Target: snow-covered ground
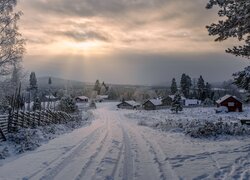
[{"x": 115, "y": 147}]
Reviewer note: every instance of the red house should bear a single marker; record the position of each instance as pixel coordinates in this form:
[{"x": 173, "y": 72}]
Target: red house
[{"x": 233, "y": 103}]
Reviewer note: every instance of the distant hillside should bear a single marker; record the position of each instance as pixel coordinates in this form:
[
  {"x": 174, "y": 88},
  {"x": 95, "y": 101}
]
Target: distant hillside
[{"x": 60, "y": 83}]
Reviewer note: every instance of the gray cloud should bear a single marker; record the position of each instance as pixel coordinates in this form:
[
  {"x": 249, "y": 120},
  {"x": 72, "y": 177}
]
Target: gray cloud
[{"x": 83, "y": 35}]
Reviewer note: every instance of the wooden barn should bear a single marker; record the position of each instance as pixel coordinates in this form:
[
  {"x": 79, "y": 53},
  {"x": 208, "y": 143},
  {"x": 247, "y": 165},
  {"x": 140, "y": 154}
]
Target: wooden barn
[
  {"x": 233, "y": 103},
  {"x": 82, "y": 99},
  {"x": 152, "y": 104},
  {"x": 128, "y": 105}
]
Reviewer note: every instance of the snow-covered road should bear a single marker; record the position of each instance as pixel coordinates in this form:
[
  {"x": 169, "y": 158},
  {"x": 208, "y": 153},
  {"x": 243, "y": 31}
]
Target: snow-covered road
[{"x": 115, "y": 147}]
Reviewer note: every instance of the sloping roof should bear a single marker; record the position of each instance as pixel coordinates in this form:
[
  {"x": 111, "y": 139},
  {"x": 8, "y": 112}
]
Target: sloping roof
[
  {"x": 156, "y": 102},
  {"x": 132, "y": 103},
  {"x": 222, "y": 99},
  {"x": 172, "y": 97},
  {"x": 82, "y": 97}
]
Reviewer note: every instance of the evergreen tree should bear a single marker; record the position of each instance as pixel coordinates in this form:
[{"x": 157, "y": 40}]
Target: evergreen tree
[
  {"x": 97, "y": 87},
  {"x": 185, "y": 85},
  {"x": 37, "y": 104},
  {"x": 234, "y": 23},
  {"x": 201, "y": 88},
  {"x": 50, "y": 81},
  {"x": 208, "y": 90},
  {"x": 33, "y": 81},
  {"x": 33, "y": 87},
  {"x": 67, "y": 104},
  {"x": 176, "y": 105},
  {"x": 174, "y": 88}
]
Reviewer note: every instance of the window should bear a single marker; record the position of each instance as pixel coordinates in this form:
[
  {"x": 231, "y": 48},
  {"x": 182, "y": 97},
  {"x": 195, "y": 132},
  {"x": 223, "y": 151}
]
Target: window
[{"x": 231, "y": 104}]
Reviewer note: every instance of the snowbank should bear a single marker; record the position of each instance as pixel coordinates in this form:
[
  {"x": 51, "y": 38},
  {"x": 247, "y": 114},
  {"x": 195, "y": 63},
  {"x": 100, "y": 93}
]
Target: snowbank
[
  {"x": 30, "y": 139},
  {"x": 196, "y": 122}
]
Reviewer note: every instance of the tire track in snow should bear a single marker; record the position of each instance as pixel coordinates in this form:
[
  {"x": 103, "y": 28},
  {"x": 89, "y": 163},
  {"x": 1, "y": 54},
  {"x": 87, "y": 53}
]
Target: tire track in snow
[
  {"x": 144, "y": 153},
  {"x": 112, "y": 157},
  {"x": 51, "y": 172},
  {"x": 92, "y": 158}
]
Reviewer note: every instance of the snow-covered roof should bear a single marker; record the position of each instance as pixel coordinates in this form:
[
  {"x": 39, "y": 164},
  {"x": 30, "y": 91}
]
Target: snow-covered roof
[
  {"x": 226, "y": 97},
  {"x": 82, "y": 97},
  {"x": 172, "y": 97},
  {"x": 156, "y": 102},
  {"x": 133, "y": 103}
]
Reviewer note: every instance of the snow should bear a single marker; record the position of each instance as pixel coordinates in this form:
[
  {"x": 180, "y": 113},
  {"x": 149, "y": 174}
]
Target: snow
[
  {"x": 222, "y": 99},
  {"x": 156, "y": 102},
  {"x": 29, "y": 139},
  {"x": 82, "y": 97},
  {"x": 115, "y": 147},
  {"x": 133, "y": 103}
]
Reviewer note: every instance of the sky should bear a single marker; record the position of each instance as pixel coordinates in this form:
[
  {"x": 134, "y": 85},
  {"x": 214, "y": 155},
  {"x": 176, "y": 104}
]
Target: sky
[{"x": 124, "y": 41}]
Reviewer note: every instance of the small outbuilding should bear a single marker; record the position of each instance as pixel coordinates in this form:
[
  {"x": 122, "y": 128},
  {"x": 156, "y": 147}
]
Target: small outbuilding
[
  {"x": 233, "y": 103},
  {"x": 82, "y": 99},
  {"x": 128, "y": 105},
  {"x": 152, "y": 104}
]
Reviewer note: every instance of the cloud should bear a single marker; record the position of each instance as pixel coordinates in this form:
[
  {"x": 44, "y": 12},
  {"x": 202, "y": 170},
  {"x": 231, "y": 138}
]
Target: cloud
[{"x": 81, "y": 36}]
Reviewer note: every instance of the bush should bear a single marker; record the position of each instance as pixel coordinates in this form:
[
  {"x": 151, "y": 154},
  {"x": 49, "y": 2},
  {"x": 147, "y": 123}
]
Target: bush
[{"x": 68, "y": 105}]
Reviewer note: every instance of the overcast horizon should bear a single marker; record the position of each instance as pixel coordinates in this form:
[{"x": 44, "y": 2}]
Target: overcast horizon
[{"x": 144, "y": 42}]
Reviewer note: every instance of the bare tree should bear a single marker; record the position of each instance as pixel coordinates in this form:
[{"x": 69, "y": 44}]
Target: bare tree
[{"x": 11, "y": 41}]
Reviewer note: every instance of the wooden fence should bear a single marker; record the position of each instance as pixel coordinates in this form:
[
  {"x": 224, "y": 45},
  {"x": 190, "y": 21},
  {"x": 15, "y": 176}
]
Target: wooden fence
[{"x": 25, "y": 119}]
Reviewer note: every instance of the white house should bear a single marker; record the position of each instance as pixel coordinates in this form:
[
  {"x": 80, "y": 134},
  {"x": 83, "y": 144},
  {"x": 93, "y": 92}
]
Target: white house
[
  {"x": 83, "y": 99},
  {"x": 192, "y": 102}
]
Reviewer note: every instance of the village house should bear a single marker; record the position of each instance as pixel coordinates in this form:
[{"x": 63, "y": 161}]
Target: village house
[
  {"x": 232, "y": 103},
  {"x": 128, "y": 105},
  {"x": 82, "y": 99},
  {"x": 152, "y": 104}
]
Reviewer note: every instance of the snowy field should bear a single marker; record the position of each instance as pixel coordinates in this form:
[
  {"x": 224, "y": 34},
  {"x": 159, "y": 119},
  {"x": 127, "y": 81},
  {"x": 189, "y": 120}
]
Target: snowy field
[
  {"x": 113, "y": 146},
  {"x": 194, "y": 121}
]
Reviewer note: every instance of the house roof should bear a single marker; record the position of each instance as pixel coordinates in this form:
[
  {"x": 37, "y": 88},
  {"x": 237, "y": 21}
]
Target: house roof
[
  {"x": 156, "y": 102},
  {"x": 172, "y": 97},
  {"x": 132, "y": 103},
  {"x": 82, "y": 97},
  {"x": 222, "y": 99}
]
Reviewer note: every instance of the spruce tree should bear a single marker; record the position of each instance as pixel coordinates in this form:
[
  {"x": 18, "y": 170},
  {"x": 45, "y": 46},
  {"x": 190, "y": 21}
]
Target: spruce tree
[
  {"x": 33, "y": 86},
  {"x": 174, "y": 88},
  {"x": 176, "y": 105},
  {"x": 185, "y": 85},
  {"x": 234, "y": 23},
  {"x": 97, "y": 87},
  {"x": 201, "y": 88},
  {"x": 33, "y": 81}
]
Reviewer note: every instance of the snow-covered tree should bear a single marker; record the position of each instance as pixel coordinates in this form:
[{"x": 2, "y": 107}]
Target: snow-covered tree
[
  {"x": 173, "y": 87},
  {"x": 37, "y": 104},
  {"x": 242, "y": 80},
  {"x": 67, "y": 104},
  {"x": 97, "y": 87},
  {"x": 11, "y": 42},
  {"x": 234, "y": 23},
  {"x": 176, "y": 105}
]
